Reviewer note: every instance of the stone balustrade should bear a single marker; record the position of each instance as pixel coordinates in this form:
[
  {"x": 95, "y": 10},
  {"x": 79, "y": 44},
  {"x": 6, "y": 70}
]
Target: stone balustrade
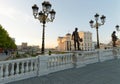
[
  {"x": 18, "y": 69},
  {"x": 55, "y": 63},
  {"x": 13, "y": 70}
]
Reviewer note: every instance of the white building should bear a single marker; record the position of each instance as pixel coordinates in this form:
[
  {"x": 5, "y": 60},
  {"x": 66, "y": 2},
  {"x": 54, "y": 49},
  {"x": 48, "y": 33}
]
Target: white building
[
  {"x": 86, "y": 44},
  {"x": 64, "y": 43},
  {"x": 67, "y": 44}
]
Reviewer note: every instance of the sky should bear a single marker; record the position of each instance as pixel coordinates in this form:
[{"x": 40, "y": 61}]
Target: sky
[{"x": 16, "y": 17}]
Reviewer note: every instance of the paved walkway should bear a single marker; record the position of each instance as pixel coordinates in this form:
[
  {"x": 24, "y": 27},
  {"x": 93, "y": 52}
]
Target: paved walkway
[
  {"x": 3, "y": 56},
  {"x": 99, "y": 73}
]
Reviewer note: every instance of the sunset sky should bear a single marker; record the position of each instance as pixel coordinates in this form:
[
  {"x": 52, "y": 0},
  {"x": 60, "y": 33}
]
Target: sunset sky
[{"x": 17, "y": 18}]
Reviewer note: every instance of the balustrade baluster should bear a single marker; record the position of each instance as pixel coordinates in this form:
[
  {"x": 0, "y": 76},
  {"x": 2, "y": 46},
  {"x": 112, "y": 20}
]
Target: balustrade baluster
[
  {"x": 57, "y": 60},
  {"x": 6, "y": 70},
  {"x": 27, "y": 66},
  {"x": 36, "y": 64},
  {"x": 22, "y": 70},
  {"x": 50, "y": 60},
  {"x": 48, "y": 63},
  {"x": 67, "y": 60},
  {"x": 61, "y": 60},
  {"x": 17, "y": 70},
  {"x": 54, "y": 62},
  {"x": 12, "y": 70},
  {"x": 1, "y": 70},
  {"x": 64, "y": 61},
  {"x": 31, "y": 65},
  {"x": 71, "y": 57}
]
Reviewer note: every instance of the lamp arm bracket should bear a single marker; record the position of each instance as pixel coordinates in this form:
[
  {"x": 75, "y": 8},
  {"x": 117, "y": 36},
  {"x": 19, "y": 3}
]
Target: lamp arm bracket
[{"x": 98, "y": 24}]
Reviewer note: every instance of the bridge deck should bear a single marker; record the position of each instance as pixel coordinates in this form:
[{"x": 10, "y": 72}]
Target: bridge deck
[{"x": 99, "y": 73}]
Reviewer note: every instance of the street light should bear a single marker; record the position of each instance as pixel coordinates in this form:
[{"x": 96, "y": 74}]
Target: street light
[
  {"x": 117, "y": 27},
  {"x": 97, "y": 25},
  {"x": 46, "y": 15}
]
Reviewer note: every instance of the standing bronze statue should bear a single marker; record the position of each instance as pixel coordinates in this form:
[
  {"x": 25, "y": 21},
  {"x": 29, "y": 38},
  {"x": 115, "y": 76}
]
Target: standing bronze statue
[
  {"x": 114, "y": 38},
  {"x": 76, "y": 38}
]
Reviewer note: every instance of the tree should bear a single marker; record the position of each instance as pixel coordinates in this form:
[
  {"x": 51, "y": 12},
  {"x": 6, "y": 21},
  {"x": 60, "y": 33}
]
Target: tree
[{"x": 6, "y": 42}]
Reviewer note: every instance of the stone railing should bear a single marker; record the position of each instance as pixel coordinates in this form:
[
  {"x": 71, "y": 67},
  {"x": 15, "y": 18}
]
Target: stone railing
[
  {"x": 54, "y": 63},
  {"x": 19, "y": 69}
]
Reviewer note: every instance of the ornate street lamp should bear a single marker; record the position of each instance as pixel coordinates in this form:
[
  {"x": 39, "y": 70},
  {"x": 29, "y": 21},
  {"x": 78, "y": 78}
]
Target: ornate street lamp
[
  {"x": 46, "y": 15},
  {"x": 97, "y": 25},
  {"x": 117, "y": 27}
]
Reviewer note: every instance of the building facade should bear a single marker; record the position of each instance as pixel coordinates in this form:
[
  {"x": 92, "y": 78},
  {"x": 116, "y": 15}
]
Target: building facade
[
  {"x": 67, "y": 44},
  {"x": 86, "y": 44},
  {"x": 24, "y": 45}
]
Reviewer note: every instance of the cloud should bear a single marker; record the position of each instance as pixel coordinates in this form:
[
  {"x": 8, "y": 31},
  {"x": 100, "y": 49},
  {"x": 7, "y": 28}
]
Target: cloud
[
  {"x": 7, "y": 12},
  {"x": 14, "y": 14}
]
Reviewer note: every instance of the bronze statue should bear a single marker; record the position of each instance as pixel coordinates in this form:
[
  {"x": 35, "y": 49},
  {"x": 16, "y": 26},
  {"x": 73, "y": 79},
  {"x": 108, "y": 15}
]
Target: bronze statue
[
  {"x": 76, "y": 38},
  {"x": 114, "y": 38}
]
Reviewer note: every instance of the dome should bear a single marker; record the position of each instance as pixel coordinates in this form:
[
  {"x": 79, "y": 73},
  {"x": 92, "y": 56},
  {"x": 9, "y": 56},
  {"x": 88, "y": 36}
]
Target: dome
[{"x": 68, "y": 34}]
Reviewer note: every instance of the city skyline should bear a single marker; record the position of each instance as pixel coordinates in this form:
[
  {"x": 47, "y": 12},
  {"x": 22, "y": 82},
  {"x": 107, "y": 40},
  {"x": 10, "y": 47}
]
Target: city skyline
[{"x": 17, "y": 18}]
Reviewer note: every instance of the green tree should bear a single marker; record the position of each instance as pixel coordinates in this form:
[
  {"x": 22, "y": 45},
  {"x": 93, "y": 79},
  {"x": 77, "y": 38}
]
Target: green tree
[{"x": 6, "y": 42}]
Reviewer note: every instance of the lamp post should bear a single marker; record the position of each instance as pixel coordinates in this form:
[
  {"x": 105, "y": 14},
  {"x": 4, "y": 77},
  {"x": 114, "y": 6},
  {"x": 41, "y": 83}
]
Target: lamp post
[
  {"x": 45, "y": 15},
  {"x": 97, "y": 25}
]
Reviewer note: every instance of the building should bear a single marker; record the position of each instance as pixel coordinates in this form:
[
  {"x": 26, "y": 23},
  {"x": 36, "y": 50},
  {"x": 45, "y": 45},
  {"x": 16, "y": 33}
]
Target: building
[
  {"x": 86, "y": 44},
  {"x": 64, "y": 43},
  {"x": 67, "y": 44},
  {"x": 24, "y": 45}
]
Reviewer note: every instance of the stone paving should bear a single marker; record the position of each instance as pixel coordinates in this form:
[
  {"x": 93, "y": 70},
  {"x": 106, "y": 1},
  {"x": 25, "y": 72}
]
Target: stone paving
[
  {"x": 107, "y": 72},
  {"x": 3, "y": 56}
]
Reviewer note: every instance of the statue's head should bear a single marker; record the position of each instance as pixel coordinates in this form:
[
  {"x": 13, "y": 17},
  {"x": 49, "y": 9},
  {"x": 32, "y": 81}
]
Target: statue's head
[
  {"x": 114, "y": 31},
  {"x": 76, "y": 29}
]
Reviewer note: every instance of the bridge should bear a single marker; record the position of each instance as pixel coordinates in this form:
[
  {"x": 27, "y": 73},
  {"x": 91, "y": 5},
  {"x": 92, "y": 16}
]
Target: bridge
[{"x": 78, "y": 67}]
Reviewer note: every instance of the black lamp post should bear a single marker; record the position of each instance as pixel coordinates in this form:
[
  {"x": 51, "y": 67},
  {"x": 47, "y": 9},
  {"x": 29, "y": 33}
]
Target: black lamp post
[
  {"x": 97, "y": 25},
  {"x": 46, "y": 15}
]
